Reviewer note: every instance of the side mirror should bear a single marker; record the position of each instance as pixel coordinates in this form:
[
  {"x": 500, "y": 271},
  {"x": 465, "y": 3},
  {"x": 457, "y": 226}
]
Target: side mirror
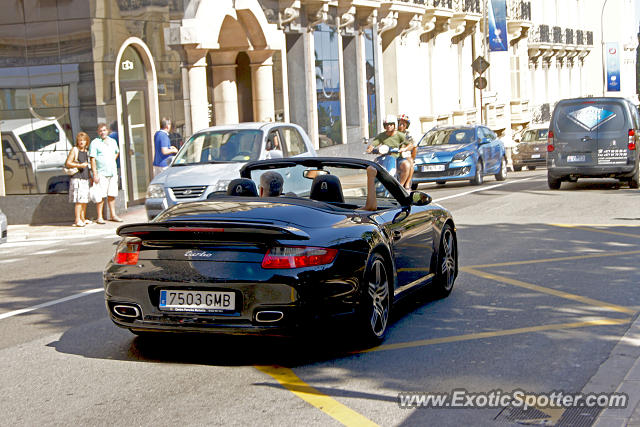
[
  {"x": 10, "y": 153},
  {"x": 418, "y": 198},
  {"x": 485, "y": 140}
]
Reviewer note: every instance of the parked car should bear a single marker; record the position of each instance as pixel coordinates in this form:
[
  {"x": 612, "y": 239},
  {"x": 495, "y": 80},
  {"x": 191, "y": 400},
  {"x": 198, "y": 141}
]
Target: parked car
[
  {"x": 458, "y": 153},
  {"x": 33, "y": 153},
  {"x": 243, "y": 264},
  {"x": 211, "y": 158},
  {"x": 593, "y": 138},
  {"x": 3, "y": 227},
  {"x": 531, "y": 150}
]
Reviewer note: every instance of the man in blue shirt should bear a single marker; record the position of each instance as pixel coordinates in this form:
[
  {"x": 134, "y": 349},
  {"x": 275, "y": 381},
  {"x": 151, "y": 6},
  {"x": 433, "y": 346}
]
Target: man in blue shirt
[
  {"x": 103, "y": 153},
  {"x": 163, "y": 148}
]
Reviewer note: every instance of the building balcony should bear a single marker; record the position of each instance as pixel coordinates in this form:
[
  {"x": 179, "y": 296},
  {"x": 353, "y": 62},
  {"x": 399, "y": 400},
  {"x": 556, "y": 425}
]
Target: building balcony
[{"x": 496, "y": 119}]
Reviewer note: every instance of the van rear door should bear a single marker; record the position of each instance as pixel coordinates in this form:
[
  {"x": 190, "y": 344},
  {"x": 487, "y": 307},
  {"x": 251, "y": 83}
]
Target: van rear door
[{"x": 590, "y": 133}]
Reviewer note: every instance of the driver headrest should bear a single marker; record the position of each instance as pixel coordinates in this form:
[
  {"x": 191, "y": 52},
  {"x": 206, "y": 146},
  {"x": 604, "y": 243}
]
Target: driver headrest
[
  {"x": 242, "y": 187},
  {"x": 326, "y": 188}
]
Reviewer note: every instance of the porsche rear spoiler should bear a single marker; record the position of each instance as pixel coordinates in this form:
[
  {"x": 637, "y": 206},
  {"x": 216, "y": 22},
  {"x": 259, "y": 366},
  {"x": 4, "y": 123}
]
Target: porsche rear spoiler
[{"x": 210, "y": 231}]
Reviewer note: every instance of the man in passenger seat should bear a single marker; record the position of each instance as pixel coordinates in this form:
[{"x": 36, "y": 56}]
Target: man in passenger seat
[{"x": 271, "y": 184}]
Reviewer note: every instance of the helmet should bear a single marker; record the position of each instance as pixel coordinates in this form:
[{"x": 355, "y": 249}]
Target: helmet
[
  {"x": 405, "y": 118},
  {"x": 389, "y": 119}
]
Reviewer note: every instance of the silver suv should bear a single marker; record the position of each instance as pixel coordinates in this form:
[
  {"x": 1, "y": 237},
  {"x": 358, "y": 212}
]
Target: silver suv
[
  {"x": 593, "y": 138},
  {"x": 211, "y": 158}
]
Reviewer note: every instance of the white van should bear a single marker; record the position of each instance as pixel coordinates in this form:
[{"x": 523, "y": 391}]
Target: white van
[{"x": 33, "y": 153}]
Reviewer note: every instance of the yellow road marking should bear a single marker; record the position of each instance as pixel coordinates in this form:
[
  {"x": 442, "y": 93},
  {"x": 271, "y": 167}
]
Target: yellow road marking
[
  {"x": 542, "y": 289},
  {"x": 419, "y": 268},
  {"x": 587, "y": 228},
  {"x": 566, "y": 258},
  {"x": 289, "y": 380},
  {"x": 505, "y": 332}
]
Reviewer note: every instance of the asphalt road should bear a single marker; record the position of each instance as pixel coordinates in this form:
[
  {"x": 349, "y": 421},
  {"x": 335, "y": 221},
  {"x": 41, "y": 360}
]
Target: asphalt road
[{"x": 548, "y": 287}]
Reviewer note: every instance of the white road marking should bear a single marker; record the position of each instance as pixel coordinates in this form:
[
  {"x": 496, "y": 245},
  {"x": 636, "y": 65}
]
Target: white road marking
[
  {"x": 24, "y": 243},
  {"x": 50, "y": 303},
  {"x": 484, "y": 188},
  {"x": 5, "y": 261},
  {"x": 47, "y": 252}
]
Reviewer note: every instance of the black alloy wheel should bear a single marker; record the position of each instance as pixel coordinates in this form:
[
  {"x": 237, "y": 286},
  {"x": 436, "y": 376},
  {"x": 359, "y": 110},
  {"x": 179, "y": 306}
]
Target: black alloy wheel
[
  {"x": 502, "y": 173},
  {"x": 376, "y": 302},
  {"x": 517, "y": 168},
  {"x": 531, "y": 168},
  {"x": 478, "y": 178},
  {"x": 553, "y": 183},
  {"x": 447, "y": 268}
]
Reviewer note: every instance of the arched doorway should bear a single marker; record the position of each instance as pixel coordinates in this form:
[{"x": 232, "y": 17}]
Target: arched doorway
[{"x": 135, "y": 143}]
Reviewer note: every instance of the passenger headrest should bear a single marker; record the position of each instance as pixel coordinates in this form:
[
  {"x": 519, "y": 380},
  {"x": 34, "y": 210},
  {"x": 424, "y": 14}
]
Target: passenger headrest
[
  {"x": 242, "y": 187},
  {"x": 326, "y": 188}
]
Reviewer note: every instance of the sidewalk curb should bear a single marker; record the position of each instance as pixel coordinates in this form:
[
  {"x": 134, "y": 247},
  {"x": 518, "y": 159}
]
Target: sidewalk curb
[{"x": 620, "y": 373}]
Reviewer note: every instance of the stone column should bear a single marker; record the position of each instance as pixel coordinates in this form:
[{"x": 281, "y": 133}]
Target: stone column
[
  {"x": 262, "y": 85},
  {"x": 225, "y": 88},
  {"x": 197, "y": 74}
]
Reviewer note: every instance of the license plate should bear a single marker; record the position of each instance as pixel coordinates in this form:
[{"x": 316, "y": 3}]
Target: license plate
[
  {"x": 432, "y": 168},
  {"x": 577, "y": 158},
  {"x": 197, "y": 301},
  {"x": 535, "y": 156}
]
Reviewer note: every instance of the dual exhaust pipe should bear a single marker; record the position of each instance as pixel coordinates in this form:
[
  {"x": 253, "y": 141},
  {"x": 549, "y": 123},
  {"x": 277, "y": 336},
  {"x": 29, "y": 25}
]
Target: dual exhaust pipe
[{"x": 125, "y": 310}]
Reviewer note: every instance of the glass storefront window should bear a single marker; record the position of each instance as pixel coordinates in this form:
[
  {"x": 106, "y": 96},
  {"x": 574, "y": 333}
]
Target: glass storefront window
[
  {"x": 369, "y": 49},
  {"x": 328, "y": 85}
]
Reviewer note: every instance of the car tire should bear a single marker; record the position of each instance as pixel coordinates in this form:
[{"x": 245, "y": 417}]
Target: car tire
[
  {"x": 633, "y": 181},
  {"x": 531, "y": 168},
  {"x": 478, "y": 178},
  {"x": 502, "y": 173},
  {"x": 447, "y": 266},
  {"x": 441, "y": 182},
  {"x": 414, "y": 185},
  {"x": 517, "y": 168},
  {"x": 553, "y": 183},
  {"x": 375, "y": 308}
]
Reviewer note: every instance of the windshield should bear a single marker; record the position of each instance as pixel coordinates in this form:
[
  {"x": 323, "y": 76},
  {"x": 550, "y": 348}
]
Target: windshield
[
  {"x": 221, "y": 146},
  {"x": 536, "y": 135},
  {"x": 448, "y": 136}
]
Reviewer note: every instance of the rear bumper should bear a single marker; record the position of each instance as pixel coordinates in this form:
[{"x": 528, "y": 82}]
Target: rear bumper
[{"x": 622, "y": 171}]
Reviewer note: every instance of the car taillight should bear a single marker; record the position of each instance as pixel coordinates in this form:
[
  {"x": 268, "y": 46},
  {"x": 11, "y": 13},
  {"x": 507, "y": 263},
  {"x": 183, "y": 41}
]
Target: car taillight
[
  {"x": 127, "y": 252},
  {"x": 550, "y": 146},
  {"x": 632, "y": 140},
  {"x": 298, "y": 256}
]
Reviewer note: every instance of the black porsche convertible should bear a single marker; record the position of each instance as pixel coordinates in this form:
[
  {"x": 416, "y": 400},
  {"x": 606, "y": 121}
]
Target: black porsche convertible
[{"x": 243, "y": 264}]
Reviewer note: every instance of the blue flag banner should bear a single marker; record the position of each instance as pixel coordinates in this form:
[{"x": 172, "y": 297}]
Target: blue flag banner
[
  {"x": 613, "y": 67},
  {"x": 497, "y": 16}
]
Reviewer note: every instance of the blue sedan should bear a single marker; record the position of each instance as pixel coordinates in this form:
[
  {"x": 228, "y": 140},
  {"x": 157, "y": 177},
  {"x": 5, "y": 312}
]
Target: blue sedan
[{"x": 458, "y": 153}]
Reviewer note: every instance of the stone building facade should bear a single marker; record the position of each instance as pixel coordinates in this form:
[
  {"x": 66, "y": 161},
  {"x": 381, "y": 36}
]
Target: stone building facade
[{"x": 335, "y": 67}]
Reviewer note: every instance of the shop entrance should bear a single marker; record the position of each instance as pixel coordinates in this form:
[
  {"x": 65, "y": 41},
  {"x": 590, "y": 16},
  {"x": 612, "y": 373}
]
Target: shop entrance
[{"x": 137, "y": 154}]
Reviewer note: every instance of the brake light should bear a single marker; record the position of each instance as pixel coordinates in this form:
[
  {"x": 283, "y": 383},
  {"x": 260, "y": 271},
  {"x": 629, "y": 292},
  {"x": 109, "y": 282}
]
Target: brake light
[
  {"x": 632, "y": 140},
  {"x": 127, "y": 252},
  {"x": 298, "y": 256},
  {"x": 550, "y": 146}
]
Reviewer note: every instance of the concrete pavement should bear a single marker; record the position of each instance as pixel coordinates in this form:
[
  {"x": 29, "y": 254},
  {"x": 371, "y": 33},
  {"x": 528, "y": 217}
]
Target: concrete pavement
[{"x": 21, "y": 232}]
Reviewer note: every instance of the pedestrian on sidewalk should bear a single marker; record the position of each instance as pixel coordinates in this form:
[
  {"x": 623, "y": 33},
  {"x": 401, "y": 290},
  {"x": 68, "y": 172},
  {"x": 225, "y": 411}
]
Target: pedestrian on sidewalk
[
  {"x": 164, "y": 151},
  {"x": 79, "y": 183},
  {"x": 103, "y": 153}
]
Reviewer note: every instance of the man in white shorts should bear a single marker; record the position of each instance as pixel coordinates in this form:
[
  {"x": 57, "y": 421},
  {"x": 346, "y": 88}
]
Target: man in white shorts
[{"x": 103, "y": 153}]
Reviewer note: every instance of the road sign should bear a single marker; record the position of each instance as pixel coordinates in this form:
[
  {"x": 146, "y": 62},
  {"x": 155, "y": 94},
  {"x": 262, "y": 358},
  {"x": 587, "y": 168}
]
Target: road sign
[
  {"x": 480, "y": 82},
  {"x": 480, "y": 65}
]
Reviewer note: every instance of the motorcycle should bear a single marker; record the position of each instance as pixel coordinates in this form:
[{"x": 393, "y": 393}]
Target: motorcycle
[{"x": 387, "y": 161}]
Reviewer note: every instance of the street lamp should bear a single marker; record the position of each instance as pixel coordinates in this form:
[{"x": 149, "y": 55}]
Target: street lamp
[{"x": 604, "y": 59}]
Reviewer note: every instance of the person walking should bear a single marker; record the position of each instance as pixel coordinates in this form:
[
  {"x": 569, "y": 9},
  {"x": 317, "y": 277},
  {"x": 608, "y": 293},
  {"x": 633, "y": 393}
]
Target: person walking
[
  {"x": 79, "y": 183},
  {"x": 163, "y": 148},
  {"x": 103, "y": 153}
]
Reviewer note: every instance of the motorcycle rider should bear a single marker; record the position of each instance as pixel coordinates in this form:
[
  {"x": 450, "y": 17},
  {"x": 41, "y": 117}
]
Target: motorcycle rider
[
  {"x": 403, "y": 126},
  {"x": 394, "y": 139}
]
